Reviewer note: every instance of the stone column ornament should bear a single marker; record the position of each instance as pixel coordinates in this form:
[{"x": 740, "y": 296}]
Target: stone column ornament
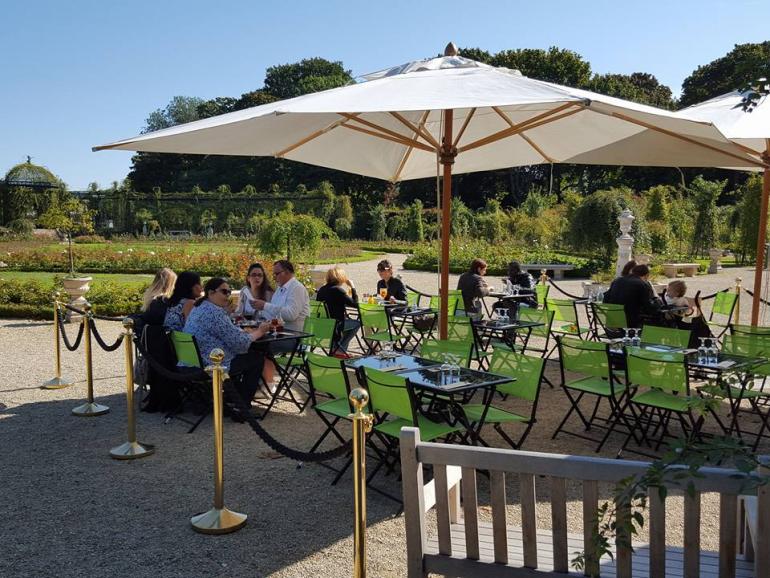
[
  {"x": 625, "y": 241},
  {"x": 715, "y": 255}
]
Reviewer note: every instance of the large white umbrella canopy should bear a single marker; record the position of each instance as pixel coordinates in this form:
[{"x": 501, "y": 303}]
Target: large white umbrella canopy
[
  {"x": 744, "y": 118},
  {"x": 399, "y": 123}
]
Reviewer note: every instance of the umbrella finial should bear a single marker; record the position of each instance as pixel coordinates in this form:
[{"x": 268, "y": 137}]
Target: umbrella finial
[{"x": 450, "y": 50}]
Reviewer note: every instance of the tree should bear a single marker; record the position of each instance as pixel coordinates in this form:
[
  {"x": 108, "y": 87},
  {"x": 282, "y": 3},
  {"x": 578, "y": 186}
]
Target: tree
[
  {"x": 180, "y": 110},
  {"x": 377, "y": 223},
  {"x": 554, "y": 65},
  {"x": 638, "y": 87},
  {"x": 293, "y": 236},
  {"x": 705, "y": 194},
  {"x": 748, "y": 216},
  {"x": 70, "y": 215},
  {"x": 658, "y": 202},
  {"x": 742, "y": 65},
  {"x": 594, "y": 224},
  {"x": 414, "y": 226},
  {"x": 308, "y": 75}
]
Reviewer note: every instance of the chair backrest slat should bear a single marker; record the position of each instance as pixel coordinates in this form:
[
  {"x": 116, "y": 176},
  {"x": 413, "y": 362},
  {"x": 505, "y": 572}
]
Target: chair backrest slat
[
  {"x": 322, "y": 330},
  {"x": 318, "y": 309},
  {"x": 442, "y": 510},
  {"x": 584, "y": 357},
  {"x": 436, "y": 349},
  {"x": 563, "y": 309},
  {"x": 657, "y": 528},
  {"x": 526, "y": 370},
  {"x": 373, "y": 317},
  {"x": 388, "y": 393},
  {"x": 327, "y": 375},
  {"x": 499, "y": 522},
  {"x": 610, "y": 315},
  {"x": 691, "y": 535},
  {"x": 541, "y": 293},
  {"x": 724, "y": 303},
  {"x": 544, "y": 316},
  {"x": 665, "y": 336},
  {"x": 666, "y": 371},
  {"x": 470, "y": 513}
]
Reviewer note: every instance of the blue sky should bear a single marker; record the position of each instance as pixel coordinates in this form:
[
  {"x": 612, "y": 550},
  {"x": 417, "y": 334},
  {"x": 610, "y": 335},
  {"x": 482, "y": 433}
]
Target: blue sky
[{"x": 79, "y": 73}]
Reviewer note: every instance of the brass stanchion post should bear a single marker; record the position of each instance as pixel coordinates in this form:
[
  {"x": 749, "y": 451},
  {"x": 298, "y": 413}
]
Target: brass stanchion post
[
  {"x": 362, "y": 424},
  {"x": 218, "y": 520},
  {"x": 90, "y": 408},
  {"x": 543, "y": 277},
  {"x": 738, "y": 299},
  {"x": 132, "y": 449},
  {"x": 57, "y": 382}
]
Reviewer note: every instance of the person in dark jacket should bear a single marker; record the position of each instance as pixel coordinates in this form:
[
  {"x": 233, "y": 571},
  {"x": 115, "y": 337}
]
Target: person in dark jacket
[
  {"x": 636, "y": 295},
  {"x": 526, "y": 285},
  {"x": 393, "y": 285},
  {"x": 473, "y": 286},
  {"x": 338, "y": 294}
]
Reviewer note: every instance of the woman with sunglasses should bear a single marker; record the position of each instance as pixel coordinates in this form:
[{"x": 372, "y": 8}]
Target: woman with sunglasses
[
  {"x": 257, "y": 287},
  {"x": 209, "y": 322}
]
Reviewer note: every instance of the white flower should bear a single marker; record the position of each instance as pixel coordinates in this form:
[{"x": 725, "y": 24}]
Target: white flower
[{"x": 152, "y": 252}]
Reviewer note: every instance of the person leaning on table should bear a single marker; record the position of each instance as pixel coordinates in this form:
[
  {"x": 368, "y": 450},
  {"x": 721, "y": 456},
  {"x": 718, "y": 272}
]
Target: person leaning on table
[
  {"x": 392, "y": 284},
  {"x": 209, "y": 322},
  {"x": 473, "y": 286},
  {"x": 290, "y": 302}
]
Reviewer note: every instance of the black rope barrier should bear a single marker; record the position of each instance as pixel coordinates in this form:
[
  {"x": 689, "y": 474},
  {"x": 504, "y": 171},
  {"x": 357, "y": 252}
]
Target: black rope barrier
[
  {"x": 713, "y": 295},
  {"x": 70, "y": 345},
  {"x": 108, "y": 318},
  {"x": 562, "y": 291},
  {"x": 242, "y": 410},
  {"x": 101, "y": 341},
  {"x": 751, "y": 293},
  {"x": 73, "y": 309}
]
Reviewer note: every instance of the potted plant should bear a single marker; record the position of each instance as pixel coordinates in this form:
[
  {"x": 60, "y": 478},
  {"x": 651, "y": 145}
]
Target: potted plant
[{"x": 71, "y": 216}]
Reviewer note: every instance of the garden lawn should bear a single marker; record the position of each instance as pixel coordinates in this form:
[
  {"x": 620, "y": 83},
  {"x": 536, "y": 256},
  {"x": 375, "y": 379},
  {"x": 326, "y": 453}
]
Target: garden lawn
[{"x": 45, "y": 277}]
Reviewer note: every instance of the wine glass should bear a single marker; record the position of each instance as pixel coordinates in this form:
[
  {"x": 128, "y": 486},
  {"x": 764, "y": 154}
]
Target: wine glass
[{"x": 516, "y": 289}]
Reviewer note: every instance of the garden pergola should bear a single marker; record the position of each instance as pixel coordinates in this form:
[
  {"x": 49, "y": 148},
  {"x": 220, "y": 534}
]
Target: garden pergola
[
  {"x": 744, "y": 118},
  {"x": 399, "y": 124}
]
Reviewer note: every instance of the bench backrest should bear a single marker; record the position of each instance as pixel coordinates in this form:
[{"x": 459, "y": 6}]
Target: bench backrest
[{"x": 455, "y": 465}]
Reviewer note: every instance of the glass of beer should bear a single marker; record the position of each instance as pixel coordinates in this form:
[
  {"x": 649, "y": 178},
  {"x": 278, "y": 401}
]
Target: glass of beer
[
  {"x": 383, "y": 292},
  {"x": 274, "y": 325}
]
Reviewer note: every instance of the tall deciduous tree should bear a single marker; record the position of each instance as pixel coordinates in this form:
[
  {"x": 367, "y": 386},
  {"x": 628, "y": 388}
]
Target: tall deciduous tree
[{"x": 305, "y": 76}]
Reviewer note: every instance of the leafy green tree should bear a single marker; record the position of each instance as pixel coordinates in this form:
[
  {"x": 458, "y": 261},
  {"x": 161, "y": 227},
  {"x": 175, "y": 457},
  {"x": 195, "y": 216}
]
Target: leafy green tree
[
  {"x": 70, "y": 215},
  {"x": 705, "y": 194},
  {"x": 476, "y": 54},
  {"x": 207, "y": 219},
  {"x": 536, "y": 202},
  {"x": 462, "y": 219},
  {"x": 343, "y": 209},
  {"x": 414, "y": 226},
  {"x": 749, "y": 210},
  {"x": 553, "y": 65},
  {"x": 377, "y": 223},
  {"x": 343, "y": 228},
  {"x": 594, "y": 224},
  {"x": 180, "y": 110},
  {"x": 308, "y": 75},
  {"x": 293, "y": 236},
  {"x": 658, "y": 202},
  {"x": 742, "y": 65},
  {"x": 638, "y": 87}
]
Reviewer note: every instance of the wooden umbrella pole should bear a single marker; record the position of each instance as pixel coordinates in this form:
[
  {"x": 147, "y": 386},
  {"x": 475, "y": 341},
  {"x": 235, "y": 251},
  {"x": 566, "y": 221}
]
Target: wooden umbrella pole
[
  {"x": 448, "y": 154},
  {"x": 761, "y": 238}
]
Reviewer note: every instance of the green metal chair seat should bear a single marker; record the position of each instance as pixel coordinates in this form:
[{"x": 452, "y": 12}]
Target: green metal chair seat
[
  {"x": 662, "y": 400},
  {"x": 429, "y": 430},
  {"x": 594, "y": 385},
  {"x": 335, "y": 407},
  {"x": 474, "y": 411},
  {"x": 747, "y": 393}
]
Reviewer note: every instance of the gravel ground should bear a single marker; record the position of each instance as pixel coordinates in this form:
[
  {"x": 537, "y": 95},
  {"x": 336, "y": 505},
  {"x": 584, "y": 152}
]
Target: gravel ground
[{"x": 73, "y": 511}]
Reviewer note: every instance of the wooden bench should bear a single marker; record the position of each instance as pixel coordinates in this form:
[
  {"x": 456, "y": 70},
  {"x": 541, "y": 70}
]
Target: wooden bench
[
  {"x": 673, "y": 269},
  {"x": 467, "y": 546},
  {"x": 557, "y": 268}
]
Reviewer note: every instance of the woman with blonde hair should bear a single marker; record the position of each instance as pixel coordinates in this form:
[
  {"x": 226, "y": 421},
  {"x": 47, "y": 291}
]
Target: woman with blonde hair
[
  {"x": 161, "y": 286},
  {"x": 338, "y": 294}
]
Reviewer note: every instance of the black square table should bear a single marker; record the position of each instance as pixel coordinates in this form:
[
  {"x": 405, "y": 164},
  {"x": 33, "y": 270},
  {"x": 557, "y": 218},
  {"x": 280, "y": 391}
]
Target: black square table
[
  {"x": 284, "y": 370},
  {"x": 487, "y": 329}
]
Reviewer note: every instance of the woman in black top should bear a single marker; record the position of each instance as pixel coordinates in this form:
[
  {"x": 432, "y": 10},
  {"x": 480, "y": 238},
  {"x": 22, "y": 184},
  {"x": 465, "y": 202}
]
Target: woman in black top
[
  {"x": 393, "y": 285},
  {"x": 338, "y": 293}
]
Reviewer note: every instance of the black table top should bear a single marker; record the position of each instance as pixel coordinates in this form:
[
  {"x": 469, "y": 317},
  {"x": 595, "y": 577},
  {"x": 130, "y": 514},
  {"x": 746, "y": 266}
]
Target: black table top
[
  {"x": 433, "y": 378},
  {"x": 495, "y": 325},
  {"x": 523, "y": 294},
  {"x": 411, "y": 311},
  {"x": 283, "y": 335},
  {"x": 396, "y": 362}
]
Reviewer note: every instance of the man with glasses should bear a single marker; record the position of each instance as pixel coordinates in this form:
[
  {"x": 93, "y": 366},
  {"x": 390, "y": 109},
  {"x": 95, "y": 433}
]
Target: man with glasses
[{"x": 290, "y": 302}]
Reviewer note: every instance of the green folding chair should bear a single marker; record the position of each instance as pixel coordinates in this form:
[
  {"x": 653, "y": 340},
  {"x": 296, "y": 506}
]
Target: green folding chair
[
  {"x": 541, "y": 294},
  {"x": 186, "y": 349},
  {"x": 723, "y": 308},
  {"x": 750, "y": 329},
  {"x": 565, "y": 320},
  {"x": 441, "y": 349},
  {"x": 197, "y": 391},
  {"x": 666, "y": 336},
  {"x": 318, "y": 309},
  {"x": 606, "y": 317},
  {"x": 393, "y": 402},
  {"x": 591, "y": 361},
  {"x": 661, "y": 389},
  {"x": 329, "y": 390},
  {"x": 375, "y": 326},
  {"x": 526, "y": 375}
]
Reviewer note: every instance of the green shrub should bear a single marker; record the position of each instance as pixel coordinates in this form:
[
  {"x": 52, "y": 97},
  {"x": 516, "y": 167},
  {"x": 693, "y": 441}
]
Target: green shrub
[
  {"x": 87, "y": 239},
  {"x": 21, "y": 226},
  {"x": 377, "y": 223},
  {"x": 343, "y": 228},
  {"x": 414, "y": 225}
]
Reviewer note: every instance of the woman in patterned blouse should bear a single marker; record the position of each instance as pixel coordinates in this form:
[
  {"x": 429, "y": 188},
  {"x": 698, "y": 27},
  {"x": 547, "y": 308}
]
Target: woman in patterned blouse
[
  {"x": 186, "y": 290},
  {"x": 209, "y": 322}
]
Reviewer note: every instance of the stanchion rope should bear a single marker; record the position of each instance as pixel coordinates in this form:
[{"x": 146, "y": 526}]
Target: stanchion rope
[
  {"x": 707, "y": 297},
  {"x": 71, "y": 346},
  {"x": 101, "y": 342},
  {"x": 243, "y": 411},
  {"x": 562, "y": 291},
  {"x": 751, "y": 293}
]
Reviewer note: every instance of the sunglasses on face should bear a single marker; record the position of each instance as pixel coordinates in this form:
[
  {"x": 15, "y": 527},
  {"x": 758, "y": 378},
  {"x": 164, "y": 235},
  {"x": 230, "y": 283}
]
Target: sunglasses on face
[
  {"x": 224, "y": 291},
  {"x": 256, "y": 274}
]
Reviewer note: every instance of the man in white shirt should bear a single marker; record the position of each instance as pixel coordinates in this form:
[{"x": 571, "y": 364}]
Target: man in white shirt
[{"x": 290, "y": 302}]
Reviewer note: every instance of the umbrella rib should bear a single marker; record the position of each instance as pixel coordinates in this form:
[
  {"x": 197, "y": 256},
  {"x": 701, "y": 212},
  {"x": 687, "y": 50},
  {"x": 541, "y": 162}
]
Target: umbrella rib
[
  {"x": 680, "y": 137},
  {"x": 310, "y": 137},
  {"x": 402, "y": 140},
  {"x": 464, "y": 126},
  {"x": 385, "y": 132},
  {"x": 535, "y": 121},
  {"x": 417, "y": 129},
  {"x": 528, "y": 140},
  {"x": 408, "y": 152}
]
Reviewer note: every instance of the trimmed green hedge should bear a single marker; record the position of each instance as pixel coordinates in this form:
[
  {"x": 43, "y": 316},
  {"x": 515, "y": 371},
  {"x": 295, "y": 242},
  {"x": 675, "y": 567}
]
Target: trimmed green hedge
[{"x": 425, "y": 258}]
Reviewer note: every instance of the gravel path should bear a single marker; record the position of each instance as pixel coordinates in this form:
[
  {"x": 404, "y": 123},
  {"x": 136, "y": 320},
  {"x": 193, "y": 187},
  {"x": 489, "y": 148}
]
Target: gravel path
[{"x": 72, "y": 511}]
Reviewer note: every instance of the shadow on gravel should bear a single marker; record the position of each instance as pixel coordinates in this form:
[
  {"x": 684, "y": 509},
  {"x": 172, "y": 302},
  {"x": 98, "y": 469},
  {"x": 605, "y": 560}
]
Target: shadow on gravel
[
  {"x": 28, "y": 324},
  {"x": 72, "y": 511}
]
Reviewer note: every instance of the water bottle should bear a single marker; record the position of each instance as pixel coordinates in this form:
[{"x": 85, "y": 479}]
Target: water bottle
[
  {"x": 713, "y": 353},
  {"x": 636, "y": 340},
  {"x": 702, "y": 352}
]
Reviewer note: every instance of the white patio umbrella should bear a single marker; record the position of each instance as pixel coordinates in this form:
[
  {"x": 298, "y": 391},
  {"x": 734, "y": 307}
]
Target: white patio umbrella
[
  {"x": 400, "y": 123},
  {"x": 746, "y": 122}
]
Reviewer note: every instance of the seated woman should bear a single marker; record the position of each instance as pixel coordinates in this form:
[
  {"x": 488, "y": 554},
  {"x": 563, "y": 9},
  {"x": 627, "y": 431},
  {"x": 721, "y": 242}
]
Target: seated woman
[
  {"x": 394, "y": 287},
  {"x": 636, "y": 295},
  {"x": 209, "y": 322},
  {"x": 186, "y": 290},
  {"x": 155, "y": 300},
  {"x": 473, "y": 286},
  {"x": 339, "y": 293},
  {"x": 257, "y": 287}
]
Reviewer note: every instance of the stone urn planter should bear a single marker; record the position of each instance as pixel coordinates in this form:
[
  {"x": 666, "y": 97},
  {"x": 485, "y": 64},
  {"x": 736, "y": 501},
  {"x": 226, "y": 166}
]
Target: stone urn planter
[
  {"x": 642, "y": 259},
  {"x": 715, "y": 255},
  {"x": 76, "y": 288}
]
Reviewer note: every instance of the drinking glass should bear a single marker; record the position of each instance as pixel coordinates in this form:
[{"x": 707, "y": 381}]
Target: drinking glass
[
  {"x": 274, "y": 325},
  {"x": 702, "y": 351},
  {"x": 626, "y": 337},
  {"x": 713, "y": 352},
  {"x": 636, "y": 339},
  {"x": 383, "y": 292},
  {"x": 445, "y": 369},
  {"x": 516, "y": 289}
]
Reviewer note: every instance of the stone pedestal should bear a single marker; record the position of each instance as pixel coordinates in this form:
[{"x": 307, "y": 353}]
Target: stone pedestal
[
  {"x": 715, "y": 255},
  {"x": 76, "y": 288},
  {"x": 642, "y": 259},
  {"x": 625, "y": 241}
]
